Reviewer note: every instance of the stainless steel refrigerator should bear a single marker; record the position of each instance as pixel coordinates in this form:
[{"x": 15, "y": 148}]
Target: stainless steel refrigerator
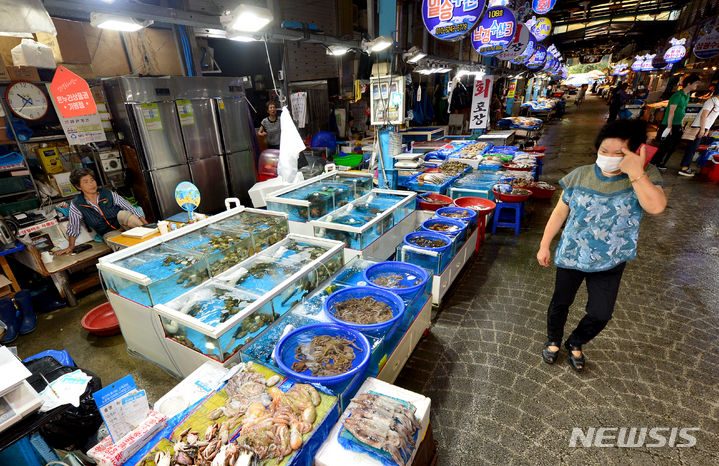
[{"x": 183, "y": 128}]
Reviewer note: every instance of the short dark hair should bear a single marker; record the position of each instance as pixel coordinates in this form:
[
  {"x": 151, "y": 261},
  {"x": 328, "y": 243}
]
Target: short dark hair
[
  {"x": 78, "y": 173},
  {"x": 632, "y": 131},
  {"x": 691, "y": 79}
]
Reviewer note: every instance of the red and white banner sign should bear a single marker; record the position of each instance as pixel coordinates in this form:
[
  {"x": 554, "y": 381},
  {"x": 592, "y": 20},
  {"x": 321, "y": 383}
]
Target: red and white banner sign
[
  {"x": 481, "y": 98},
  {"x": 71, "y": 94}
]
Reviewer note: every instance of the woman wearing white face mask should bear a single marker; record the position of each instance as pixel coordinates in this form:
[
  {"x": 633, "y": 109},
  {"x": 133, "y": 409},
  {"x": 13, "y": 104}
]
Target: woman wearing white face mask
[{"x": 602, "y": 204}]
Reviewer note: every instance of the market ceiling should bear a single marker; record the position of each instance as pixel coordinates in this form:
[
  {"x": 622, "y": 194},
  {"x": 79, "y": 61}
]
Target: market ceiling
[{"x": 603, "y": 26}]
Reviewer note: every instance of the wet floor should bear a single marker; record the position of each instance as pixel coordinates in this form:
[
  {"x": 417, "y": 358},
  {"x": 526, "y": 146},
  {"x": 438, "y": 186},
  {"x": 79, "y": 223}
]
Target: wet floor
[{"x": 494, "y": 401}]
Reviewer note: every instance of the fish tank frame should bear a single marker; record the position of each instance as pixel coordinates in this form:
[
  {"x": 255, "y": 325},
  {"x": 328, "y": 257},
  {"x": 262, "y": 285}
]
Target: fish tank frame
[
  {"x": 360, "y": 232},
  {"x": 264, "y": 302},
  {"x": 109, "y": 269},
  {"x": 276, "y": 202}
]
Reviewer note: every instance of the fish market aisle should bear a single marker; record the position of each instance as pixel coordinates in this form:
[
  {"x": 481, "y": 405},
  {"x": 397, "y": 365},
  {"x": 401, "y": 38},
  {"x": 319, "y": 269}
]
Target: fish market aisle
[{"x": 656, "y": 364}]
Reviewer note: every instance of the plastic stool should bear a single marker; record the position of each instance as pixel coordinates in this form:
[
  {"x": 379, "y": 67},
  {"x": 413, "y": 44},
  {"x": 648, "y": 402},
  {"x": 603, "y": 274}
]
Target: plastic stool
[
  {"x": 515, "y": 211},
  {"x": 538, "y": 171}
]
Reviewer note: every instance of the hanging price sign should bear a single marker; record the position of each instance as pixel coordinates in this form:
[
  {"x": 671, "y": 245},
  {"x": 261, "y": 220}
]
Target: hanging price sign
[
  {"x": 638, "y": 61},
  {"x": 676, "y": 52},
  {"x": 518, "y": 45},
  {"x": 451, "y": 19},
  {"x": 541, "y": 28},
  {"x": 647, "y": 64},
  {"x": 71, "y": 94},
  {"x": 494, "y": 32}
]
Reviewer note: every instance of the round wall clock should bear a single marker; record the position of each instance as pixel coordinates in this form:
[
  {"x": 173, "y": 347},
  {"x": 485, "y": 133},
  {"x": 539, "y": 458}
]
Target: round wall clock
[{"x": 26, "y": 100}]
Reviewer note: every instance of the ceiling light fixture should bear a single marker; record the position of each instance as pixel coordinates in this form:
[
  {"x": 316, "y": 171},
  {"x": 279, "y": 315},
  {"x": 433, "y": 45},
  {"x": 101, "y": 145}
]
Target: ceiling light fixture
[
  {"x": 117, "y": 23},
  {"x": 377, "y": 45},
  {"x": 337, "y": 50},
  {"x": 243, "y": 38},
  {"x": 414, "y": 55},
  {"x": 247, "y": 18}
]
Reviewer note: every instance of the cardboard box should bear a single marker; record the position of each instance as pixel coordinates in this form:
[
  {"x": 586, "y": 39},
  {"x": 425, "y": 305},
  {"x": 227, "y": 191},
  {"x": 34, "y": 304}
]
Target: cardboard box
[
  {"x": 84, "y": 71},
  {"x": 69, "y": 46},
  {"x": 4, "y": 76},
  {"x": 23, "y": 73}
]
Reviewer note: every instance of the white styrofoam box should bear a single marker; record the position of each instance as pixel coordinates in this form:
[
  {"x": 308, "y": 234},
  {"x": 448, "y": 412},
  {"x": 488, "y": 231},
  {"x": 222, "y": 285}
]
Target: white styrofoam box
[
  {"x": 331, "y": 453},
  {"x": 260, "y": 190},
  {"x": 441, "y": 283},
  {"x": 13, "y": 371},
  {"x": 31, "y": 53},
  {"x": 22, "y": 401}
]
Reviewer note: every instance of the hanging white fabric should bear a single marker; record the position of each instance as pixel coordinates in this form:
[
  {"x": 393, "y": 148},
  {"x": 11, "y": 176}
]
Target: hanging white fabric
[
  {"x": 24, "y": 16},
  {"x": 290, "y": 146}
]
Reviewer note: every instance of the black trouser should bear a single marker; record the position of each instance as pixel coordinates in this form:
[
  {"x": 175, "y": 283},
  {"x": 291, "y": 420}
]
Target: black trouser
[
  {"x": 613, "y": 112},
  {"x": 602, "y": 288},
  {"x": 667, "y": 145},
  {"x": 692, "y": 147}
]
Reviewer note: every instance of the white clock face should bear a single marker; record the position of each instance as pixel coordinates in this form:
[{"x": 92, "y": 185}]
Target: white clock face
[{"x": 27, "y": 100}]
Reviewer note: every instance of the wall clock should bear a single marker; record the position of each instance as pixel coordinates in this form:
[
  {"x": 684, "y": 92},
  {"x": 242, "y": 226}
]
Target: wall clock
[{"x": 26, "y": 100}]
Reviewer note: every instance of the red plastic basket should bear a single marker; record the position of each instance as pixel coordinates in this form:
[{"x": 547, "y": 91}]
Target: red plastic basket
[
  {"x": 511, "y": 166},
  {"x": 513, "y": 197},
  {"x": 536, "y": 149},
  {"x": 101, "y": 321},
  {"x": 479, "y": 204},
  {"x": 443, "y": 201},
  {"x": 541, "y": 193}
]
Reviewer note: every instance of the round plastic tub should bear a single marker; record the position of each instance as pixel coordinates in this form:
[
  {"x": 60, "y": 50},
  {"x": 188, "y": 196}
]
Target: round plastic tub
[
  {"x": 456, "y": 229},
  {"x": 513, "y": 166},
  {"x": 479, "y": 204},
  {"x": 101, "y": 321},
  {"x": 285, "y": 352},
  {"x": 536, "y": 149},
  {"x": 442, "y": 201},
  {"x": 513, "y": 197},
  {"x": 543, "y": 193},
  {"x": 429, "y": 235},
  {"x": 410, "y": 274},
  {"x": 377, "y": 330},
  {"x": 447, "y": 212}
]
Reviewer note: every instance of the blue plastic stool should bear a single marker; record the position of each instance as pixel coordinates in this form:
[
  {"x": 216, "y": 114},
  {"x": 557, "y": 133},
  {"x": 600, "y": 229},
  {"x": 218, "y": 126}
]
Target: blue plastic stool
[
  {"x": 512, "y": 219},
  {"x": 538, "y": 171}
]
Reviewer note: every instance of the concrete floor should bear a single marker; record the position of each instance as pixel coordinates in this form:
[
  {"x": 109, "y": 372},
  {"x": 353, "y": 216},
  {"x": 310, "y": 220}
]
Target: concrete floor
[{"x": 493, "y": 399}]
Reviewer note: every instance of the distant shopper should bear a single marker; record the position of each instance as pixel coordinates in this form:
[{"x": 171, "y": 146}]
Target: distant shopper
[
  {"x": 106, "y": 212},
  {"x": 580, "y": 95},
  {"x": 602, "y": 205},
  {"x": 670, "y": 131},
  {"x": 617, "y": 99},
  {"x": 270, "y": 127},
  {"x": 698, "y": 131}
]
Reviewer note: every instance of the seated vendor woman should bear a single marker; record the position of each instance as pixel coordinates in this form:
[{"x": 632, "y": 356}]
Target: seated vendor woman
[{"x": 104, "y": 211}]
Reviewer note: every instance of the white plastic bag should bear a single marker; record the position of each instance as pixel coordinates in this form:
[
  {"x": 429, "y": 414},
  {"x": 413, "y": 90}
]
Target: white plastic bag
[
  {"x": 31, "y": 53},
  {"x": 27, "y": 16},
  {"x": 290, "y": 146}
]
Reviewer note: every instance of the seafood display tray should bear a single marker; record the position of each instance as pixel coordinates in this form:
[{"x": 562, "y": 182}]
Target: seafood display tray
[
  {"x": 320, "y": 195},
  {"x": 310, "y": 312},
  {"x": 236, "y": 306},
  {"x": 414, "y": 185},
  {"x": 162, "y": 268},
  {"x": 332, "y": 453},
  {"x": 366, "y": 219}
]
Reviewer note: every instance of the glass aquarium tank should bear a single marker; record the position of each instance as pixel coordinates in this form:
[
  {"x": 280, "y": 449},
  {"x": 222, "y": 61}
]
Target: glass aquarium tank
[
  {"x": 266, "y": 228},
  {"x": 232, "y": 308},
  {"x": 223, "y": 248},
  {"x": 154, "y": 275},
  {"x": 320, "y": 195},
  {"x": 363, "y": 220}
]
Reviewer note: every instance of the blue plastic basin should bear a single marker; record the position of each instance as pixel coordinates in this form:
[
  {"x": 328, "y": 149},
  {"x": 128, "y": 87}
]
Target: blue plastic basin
[
  {"x": 285, "y": 352},
  {"x": 471, "y": 219},
  {"x": 410, "y": 272},
  {"x": 457, "y": 228},
  {"x": 378, "y": 330}
]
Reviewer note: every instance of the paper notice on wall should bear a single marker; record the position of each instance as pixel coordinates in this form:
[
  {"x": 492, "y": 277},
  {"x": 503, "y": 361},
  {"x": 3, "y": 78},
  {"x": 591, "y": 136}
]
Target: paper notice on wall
[
  {"x": 298, "y": 101},
  {"x": 481, "y": 97},
  {"x": 151, "y": 116},
  {"x": 84, "y": 129},
  {"x": 184, "y": 109}
]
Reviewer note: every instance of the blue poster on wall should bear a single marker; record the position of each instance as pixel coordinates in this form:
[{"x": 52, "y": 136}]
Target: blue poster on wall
[
  {"x": 494, "y": 32},
  {"x": 451, "y": 19},
  {"x": 543, "y": 6},
  {"x": 528, "y": 52},
  {"x": 537, "y": 60}
]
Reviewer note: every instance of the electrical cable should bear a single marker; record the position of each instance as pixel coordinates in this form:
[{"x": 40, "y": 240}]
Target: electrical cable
[{"x": 272, "y": 74}]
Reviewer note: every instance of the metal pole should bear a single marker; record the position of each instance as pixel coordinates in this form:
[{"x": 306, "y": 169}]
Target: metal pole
[
  {"x": 410, "y": 25},
  {"x": 370, "y": 19}
]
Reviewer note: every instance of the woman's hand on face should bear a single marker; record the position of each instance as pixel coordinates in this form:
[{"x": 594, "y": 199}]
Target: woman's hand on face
[
  {"x": 544, "y": 257},
  {"x": 633, "y": 164}
]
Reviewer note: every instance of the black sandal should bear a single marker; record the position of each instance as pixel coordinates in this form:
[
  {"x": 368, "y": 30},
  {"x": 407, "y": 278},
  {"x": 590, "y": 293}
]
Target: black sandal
[
  {"x": 550, "y": 357},
  {"x": 577, "y": 363}
]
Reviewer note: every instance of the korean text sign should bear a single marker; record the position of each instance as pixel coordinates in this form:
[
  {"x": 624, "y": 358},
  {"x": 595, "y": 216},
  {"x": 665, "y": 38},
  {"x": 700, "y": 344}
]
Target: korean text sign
[
  {"x": 451, "y": 19},
  {"x": 71, "y": 94},
  {"x": 496, "y": 30},
  {"x": 481, "y": 97}
]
